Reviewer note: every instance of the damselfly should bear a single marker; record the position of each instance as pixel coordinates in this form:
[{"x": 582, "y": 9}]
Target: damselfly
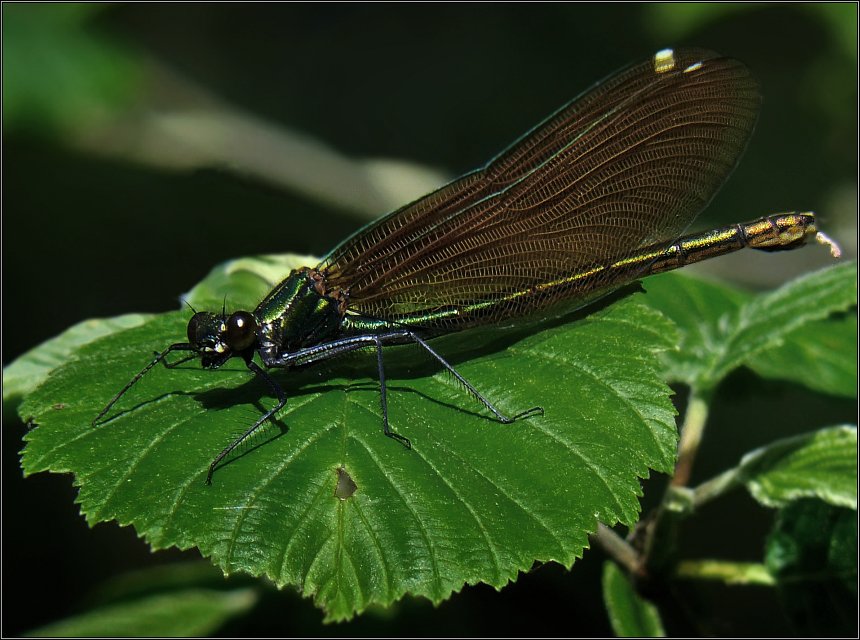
[{"x": 595, "y": 196}]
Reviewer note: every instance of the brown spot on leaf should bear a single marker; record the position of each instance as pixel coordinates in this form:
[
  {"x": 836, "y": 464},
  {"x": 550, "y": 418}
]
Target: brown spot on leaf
[{"x": 345, "y": 485}]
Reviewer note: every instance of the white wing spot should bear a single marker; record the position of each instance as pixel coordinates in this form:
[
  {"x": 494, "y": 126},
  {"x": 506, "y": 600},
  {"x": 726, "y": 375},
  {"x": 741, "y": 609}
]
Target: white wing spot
[{"x": 664, "y": 60}]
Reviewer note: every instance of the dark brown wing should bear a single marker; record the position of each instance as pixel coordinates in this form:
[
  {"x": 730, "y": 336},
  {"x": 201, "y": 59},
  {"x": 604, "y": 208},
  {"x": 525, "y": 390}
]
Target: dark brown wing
[{"x": 628, "y": 164}]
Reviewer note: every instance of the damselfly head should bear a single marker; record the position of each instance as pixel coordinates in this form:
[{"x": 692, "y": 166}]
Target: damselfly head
[{"x": 217, "y": 338}]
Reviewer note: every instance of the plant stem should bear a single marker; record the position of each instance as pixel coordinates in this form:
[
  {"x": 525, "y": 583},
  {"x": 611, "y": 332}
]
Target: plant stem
[
  {"x": 661, "y": 533},
  {"x": 691, "y": 437},
  {"x": 715, "y": 487},
  {"x": 728, "y": 572},
  {"x": 617, "y": 548}
]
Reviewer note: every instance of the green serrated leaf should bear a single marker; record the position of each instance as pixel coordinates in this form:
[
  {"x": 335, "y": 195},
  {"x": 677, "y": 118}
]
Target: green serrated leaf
[
  {"x": 630, "y": 615},
  {"x": 723, "y": 329},
  {"x": 473, "y": 501},
  {"x": 812, "y": 552},
  {"x": 191, "y": 612},
  {"x": 822, "y": 464}
]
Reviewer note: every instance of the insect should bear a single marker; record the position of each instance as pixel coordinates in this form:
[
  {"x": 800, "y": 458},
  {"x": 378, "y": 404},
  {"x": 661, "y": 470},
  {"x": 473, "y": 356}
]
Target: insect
[{"x": 592, "y": 198}]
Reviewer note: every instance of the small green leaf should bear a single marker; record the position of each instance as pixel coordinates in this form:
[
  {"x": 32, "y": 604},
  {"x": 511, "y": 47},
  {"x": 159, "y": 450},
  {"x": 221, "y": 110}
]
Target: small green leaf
[
  {"x": 723, "y": 329},
  {"x": 191, "y": 612},
  {"x": 822, "y": 464},
  {"x": 812, "y": 552},
  {"x": 630, "y": 615},
  {"x": 473, "y": 501}
]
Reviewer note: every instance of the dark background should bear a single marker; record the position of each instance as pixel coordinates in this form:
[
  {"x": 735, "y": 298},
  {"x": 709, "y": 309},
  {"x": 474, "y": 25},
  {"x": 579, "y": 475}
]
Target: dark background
[{"x": 89, "y": 234}]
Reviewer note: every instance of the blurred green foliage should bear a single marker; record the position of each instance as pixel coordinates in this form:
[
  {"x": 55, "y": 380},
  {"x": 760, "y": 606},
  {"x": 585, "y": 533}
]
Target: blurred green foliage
[
  {"x": 677, "y": 20},
  {"x": 58, "y": 74}
]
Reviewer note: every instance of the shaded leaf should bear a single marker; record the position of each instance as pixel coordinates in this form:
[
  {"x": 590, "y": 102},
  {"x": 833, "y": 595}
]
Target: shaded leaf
[
  {"x": 812, "y": 552},
  {"x": 630, "y": 615},
  {"x": 158, "y": 579},
  {"x": 191, "y": 612},
  {"x": 820, "y": 355},
  {"x": 473, "y": 501}
]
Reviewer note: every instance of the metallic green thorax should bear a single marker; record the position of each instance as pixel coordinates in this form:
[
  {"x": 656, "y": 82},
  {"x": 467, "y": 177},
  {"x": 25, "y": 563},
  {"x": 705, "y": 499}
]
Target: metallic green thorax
[{"x": 297, "y": 313}]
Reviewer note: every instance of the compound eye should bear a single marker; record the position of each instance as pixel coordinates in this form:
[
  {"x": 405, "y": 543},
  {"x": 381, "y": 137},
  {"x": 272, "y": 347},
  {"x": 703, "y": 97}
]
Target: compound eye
[
  {"x": 241, "y": 331},
  {"x": 200, "y": 327}
]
